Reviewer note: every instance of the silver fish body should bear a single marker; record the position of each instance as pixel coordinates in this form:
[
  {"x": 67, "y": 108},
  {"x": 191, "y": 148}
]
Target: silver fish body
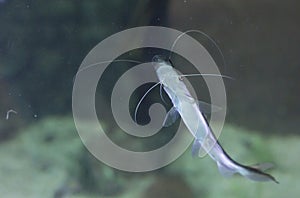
[{"x": 187, "y": 108}]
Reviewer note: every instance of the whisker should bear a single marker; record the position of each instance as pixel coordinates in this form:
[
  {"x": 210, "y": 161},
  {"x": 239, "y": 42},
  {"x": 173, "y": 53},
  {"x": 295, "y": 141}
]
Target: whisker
[
  {"x": 160, "y": 93},
  {"x": 207, "y": 36},
  {"x": 108, "y": 61},
  {"x": 214, "y": 75},
  {"x": 140, "y": 101}
]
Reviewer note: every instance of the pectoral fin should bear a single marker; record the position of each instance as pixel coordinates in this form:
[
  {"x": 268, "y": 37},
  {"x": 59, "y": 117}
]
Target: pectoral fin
[{"x": 171, "y": 117}]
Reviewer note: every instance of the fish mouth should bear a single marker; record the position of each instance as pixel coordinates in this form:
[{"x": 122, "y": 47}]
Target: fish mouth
[{"x": 158, "y": 59}]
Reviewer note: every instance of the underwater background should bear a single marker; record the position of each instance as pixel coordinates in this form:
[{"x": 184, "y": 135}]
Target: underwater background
[{"x": 42, "y": 45}]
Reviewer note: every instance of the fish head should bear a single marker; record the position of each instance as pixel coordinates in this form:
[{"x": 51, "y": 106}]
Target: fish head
[
  {"x": 158, "y": 59},
  {"x": 165, "y": 72}
]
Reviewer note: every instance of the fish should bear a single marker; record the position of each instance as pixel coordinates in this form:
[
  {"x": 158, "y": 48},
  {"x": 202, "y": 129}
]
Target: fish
[{"x": 186, "y": 107}]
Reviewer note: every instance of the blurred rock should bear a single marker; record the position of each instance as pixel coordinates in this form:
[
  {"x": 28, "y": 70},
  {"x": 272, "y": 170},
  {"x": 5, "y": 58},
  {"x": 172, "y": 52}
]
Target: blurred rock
[{"x": 169, "y": 186}]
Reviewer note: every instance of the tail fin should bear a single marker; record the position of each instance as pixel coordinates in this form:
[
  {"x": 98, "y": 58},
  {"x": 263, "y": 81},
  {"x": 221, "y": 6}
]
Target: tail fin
[{"x": 254, "y": 172}]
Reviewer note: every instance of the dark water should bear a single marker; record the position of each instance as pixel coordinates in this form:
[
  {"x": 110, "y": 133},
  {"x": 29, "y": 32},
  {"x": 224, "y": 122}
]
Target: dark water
[{"x": 42, "y": 44}]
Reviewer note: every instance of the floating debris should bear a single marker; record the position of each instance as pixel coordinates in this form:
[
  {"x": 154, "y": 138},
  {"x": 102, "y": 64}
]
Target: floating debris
[{"x": 9, "y": 112}]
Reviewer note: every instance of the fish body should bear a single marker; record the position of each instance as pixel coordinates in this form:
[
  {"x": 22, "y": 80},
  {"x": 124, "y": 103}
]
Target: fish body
[{"x": 185, "y": 106}]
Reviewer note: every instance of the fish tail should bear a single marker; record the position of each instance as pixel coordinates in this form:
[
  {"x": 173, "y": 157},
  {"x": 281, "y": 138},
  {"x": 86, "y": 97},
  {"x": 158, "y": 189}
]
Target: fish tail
[{"x": 255, "y": 172}]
